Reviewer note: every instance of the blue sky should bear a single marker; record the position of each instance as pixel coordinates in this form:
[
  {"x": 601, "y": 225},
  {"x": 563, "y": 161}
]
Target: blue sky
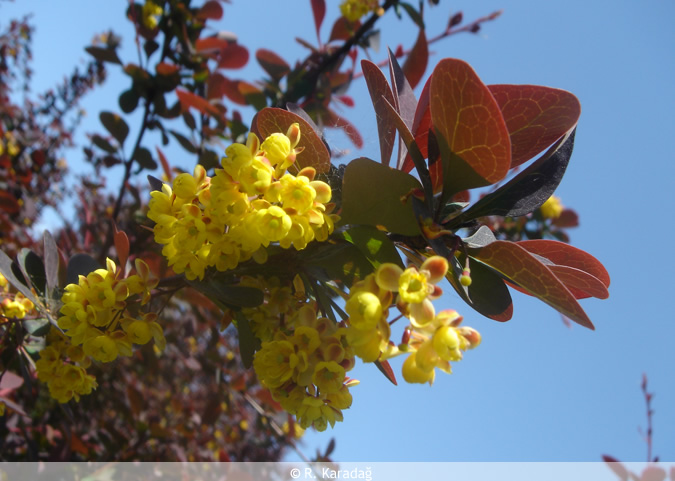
[{"x": 534, "y": 390}]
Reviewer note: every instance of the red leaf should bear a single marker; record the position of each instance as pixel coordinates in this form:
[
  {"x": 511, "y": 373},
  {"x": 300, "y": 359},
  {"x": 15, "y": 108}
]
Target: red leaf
[
  {"x": 416, "y": 63},
  {"x": 516, "y": 263},
  {"x": 165, "y": 164},
  {"x": 189, "y": 100},
  {"x": 220, "y": 85},
  {"x": 345, "y": 99},
  {"x": 319, "y": 11},
  {"x": 385, "y": 368},
  {"x": 78, "y": 446},
  {"x": 233, "y": 56},
  {"x": 617, "y": 467},
  {"x": 580, "y": 283},
  {"x": 208, "y": 45},
  {"x": 343, "y": 29},
  {"x": 565, "y": 255},
  {"x": 210, "y": 10},
  {"x": 468, "y": 119},
  {"x": 568, "y": 218},
  {"x": 421, "y": 126},
  {"x": 535, "y": 117},
  {"x": 167, "y": 68},
  {"x": 380, "y": 93},
  {"x": 271, "y": 120},
  {"x": 653, "y": 473},
  {"x": 8, "y": 203},
  {"x": 274, "y": 65},
  {"x": 122, "y": 248}
]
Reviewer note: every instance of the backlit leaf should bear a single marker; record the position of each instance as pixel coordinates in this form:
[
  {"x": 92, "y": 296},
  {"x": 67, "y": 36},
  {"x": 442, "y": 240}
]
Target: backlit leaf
[
  {"x": 380, "y": 93},
  {"x": 364, "y": 204},
  {"x": 319, "y": 12},
  {"x": 315, "y": 153},
  {"x": 416, "y": 62},
  {"x": 121, "y": 246},
  {"x": 385, "y": 368},
  {"x": 580, "y": 283},
  {"x": 210, "y": 10},
  {"x": 469, "y": 125},
  {"x": 272, "y": 63},
  {"x": 189, "y": 100},
  {"x": 331, "y": 119},
  {"x": 374, "y": 244},
  {"x": 564, "y": 254},
  {"x": 518, "y": 265},
  {"x": 535, "y": 117}
]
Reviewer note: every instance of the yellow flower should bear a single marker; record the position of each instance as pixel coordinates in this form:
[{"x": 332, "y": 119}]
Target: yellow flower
[
  {"x": 150, "y": 12},
  {"x": 552, "y": 208},
  {"x": 364, "y": 309}
]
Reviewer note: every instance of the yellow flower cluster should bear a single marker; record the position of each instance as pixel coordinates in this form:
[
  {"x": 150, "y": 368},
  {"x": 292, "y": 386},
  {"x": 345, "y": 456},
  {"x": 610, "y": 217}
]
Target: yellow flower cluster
[
  {"x": 304, "y": 368},
  {"x": 249, "y": 203},
  {"x": 552, "y": 208},
  {"x": 353, "y": 10},
  {"x": 150, "y": 14},
  {"x": 14, "y": 306},
  {"x": 97, "y": 326},
  {"x": 433, "y": 340}
]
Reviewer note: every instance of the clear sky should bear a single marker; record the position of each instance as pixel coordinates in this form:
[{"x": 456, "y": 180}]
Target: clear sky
[{"x": 534, "y": 390}]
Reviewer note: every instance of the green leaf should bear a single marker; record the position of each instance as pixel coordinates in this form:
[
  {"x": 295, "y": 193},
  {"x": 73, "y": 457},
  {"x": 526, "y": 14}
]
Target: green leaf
[
  {"x": 209, "y": 159},
  {"x": 80, "y": 265},
  {"x": 116, "y": 125},
  {"x": 184, "y": 141},
  {"x": 248, "y": 343},
  {"x": 9, "y": 273},
  {"x": 104, "y": 54},
  {"x": 413, "y": 14},
  {"x": 380, "y": 206},
  {"x": 129, "y": 101},
  {"x": 226, "y": 295},
  {"x": 144, "y": 158},
  {"x": 487, "y": 293},
  {"x": 33, "y": 269},
  {"x": 103, "y": 144},
  {"x": 373, "y": 244}
]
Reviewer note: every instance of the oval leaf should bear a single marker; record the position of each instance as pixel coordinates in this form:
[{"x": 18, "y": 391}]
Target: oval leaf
[
  {"x": 380, "y": 93},
  {"x": 566, "y": 255},
  {"x": 363, "y": 204},
  {"x": 116, "y": 125},
  {"x": 469, "y": 124},
  {"x": 315, "y": 153},
  {"x": 580, "y": 283},
  {"x": 535, "y": 117},
  {"x": 518, "y": 265},
  {"x": 416, "y": 63},
  {"x": 272, "y": 63}
]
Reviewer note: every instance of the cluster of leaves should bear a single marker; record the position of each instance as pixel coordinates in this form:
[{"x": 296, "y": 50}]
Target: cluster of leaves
[
  {"x": 33, "y": 134},
  {"x": 195, "y": 401}
]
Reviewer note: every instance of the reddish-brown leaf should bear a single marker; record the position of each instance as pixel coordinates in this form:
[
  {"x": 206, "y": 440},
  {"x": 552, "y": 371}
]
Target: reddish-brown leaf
[
  {"x": 516, "y": 263},
  {"x": 380, "y": 93},
  {"x": 271, "y": 120},
  {"x": 165, "y": 164},
  {"x": 468, "y": 119},
  {"x": 653, "y": 473},
  {"x": 535, "y": 117},
  {"x": 210, "y": 10},
  {"x": 274, "y": 65},
  {"x": 210, "y": 45},
  {"x": 189, "y": 100},
  {"x": 343, "y": 29},
  {"x": 421, "y": 126},
  {"x": 167, "y": 68},
  {"x": 385, "y": 368},
  {"x": 416, "y": 63},
  {"x": 233, "y": 56},
  {"x": 580, "y": 283},
  {"x": 565, "y": 255},
  {"x": 122, "y": 248},
  {"x": 8, "y": 203},
  {"x": 568, "y": 218},
  {"x": 319, "y": 11},
  {"x": 227, "y": 87},
  {"x": 616, "y": 466}
]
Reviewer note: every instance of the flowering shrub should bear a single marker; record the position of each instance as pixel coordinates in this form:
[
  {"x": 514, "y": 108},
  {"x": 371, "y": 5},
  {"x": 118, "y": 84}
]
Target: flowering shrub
[{"x": 269, "y": 254}]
